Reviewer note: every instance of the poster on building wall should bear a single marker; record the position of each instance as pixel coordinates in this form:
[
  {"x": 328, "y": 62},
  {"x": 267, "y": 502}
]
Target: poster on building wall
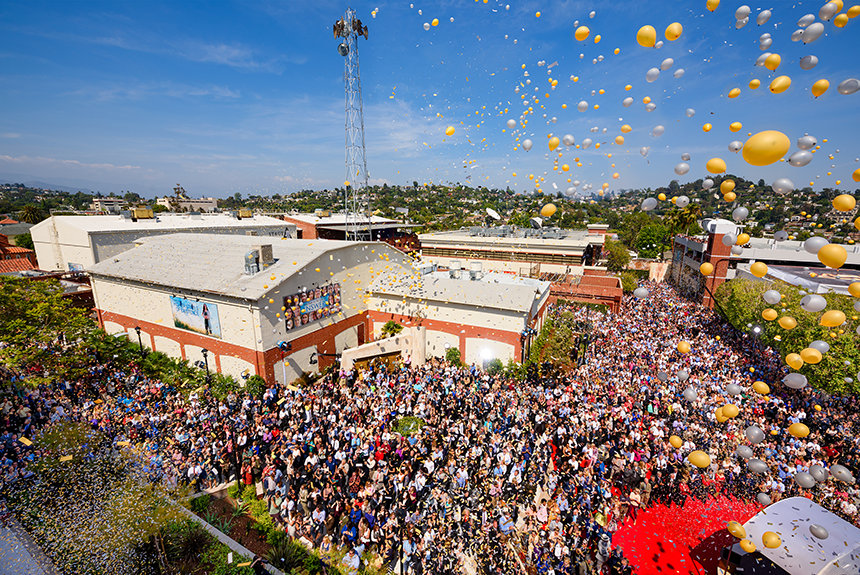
[
  {"x": 197, "y": 316},
  {"x": 312, "y": 305}
]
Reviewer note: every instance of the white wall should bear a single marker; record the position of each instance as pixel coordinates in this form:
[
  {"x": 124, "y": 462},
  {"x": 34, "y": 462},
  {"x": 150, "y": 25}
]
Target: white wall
[
  {"x": 168, "y": 346},
  {"x": 296, "y": 364},
  {"x": 234, "y": 366},
  {"x": 436, "y": 341},
  {"x": 489, "y": 318},
  {"x": 479, "y": 350}
]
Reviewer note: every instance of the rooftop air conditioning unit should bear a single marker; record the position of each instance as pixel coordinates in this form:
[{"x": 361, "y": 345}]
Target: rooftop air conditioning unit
[
  {"x": 142, "y": 213},
  {"x": 265, "y": 255},
  {"x": 245, "y": 213},
  {"x": 252, "y": 262}
]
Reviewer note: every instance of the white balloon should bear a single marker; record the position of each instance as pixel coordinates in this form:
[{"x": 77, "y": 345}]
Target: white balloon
[
  {"x": 806, "y": 20},
  {"x": 650, "y": 107},
  {"x": 828, "y": 11},
  {"x": 685, "y": 156},
  {"x": 737, "y": 250},
  {"x": 707, "y": 184},
  {"x": 627, "y": 102},
  {"x": 797, "y": 35},
  {"x": 814, "y": 244},
  {"x": 657, "y": 131},
  {"x": 568, "y": 140},
  {"x": 814, "y": 303},
  {"x": 426, "y": 25},
  {"x": 780, "y": 236},
  {"x": 742, "y": 12},
  {"x": 729, "y": 239},
  {"x": 644, "y": 150},
  {"x": 682, "y": 168},
  {"x": 586, "y": 143},
  {"x": 821, "y": 345},
  {"x": 690, "y": 112},
  {"x": 848, "y": 87},
  {"x": 736, "y": 146},
  {"x": 592, "y": 14},
  {"x": 659, "y": 44},
  {"x": 741, "y": 23},
  {"x": 760, "y": 60},
  {"x": 808, "y": 62},
  {"x": 527, "y": 144},
  {"x": 765, "y": 44},
  {"x": 782, "y": 186},
  {"x": 679, "y": 72},
  {"x": 762, "y": 17},
  {"x": 795, "y": 380},
  {"x": 511, "y": 124},
  {"x": 740, "y": 213},
  {"x": 649, "y": 204},
  {"x": 800, "y": 159},
  {"x": 813, "y": 32},
  {"x": 682, "y": 201},
  {"x": 640, "y": 293},
  {"x": 772, "y": 296},
  {"x": 582, "y": 106},
  {"x": 806, "y": 142},
  {"x": 666, "y": 64},
  {"x": 652, "y": 74}
]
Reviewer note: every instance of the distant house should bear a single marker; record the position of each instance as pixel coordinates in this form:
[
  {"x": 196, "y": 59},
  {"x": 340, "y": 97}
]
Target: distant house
[
  {"x": 110, "y": 205},
  {"x": 12, "y": 228},
  {"x": 14, "y": 259},
  {"x": 189, "y": 204}
]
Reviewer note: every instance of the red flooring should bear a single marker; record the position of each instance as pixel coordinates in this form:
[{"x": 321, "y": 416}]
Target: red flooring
[{"x": 688, "y": 539}]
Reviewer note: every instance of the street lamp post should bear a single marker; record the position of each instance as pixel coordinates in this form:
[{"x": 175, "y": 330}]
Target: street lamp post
[
  {"x": 139, "y": 340},
  {"x": 205, "y": 353}
]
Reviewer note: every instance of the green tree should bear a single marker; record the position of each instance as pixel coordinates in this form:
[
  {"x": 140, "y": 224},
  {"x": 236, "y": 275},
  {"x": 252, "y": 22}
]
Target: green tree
[
  {"x": 628, "y": 281},
  {"x": 617, "y": 256},
  {"x": 31, "y": 214},
  {"x": 25, "y": 240},
  {"x": 452, "y": 356},
  {"x": 651, "y": 241},
  {"x": 391, "y": 328}
]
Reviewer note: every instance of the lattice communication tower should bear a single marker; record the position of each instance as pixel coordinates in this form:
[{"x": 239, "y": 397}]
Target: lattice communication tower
[{"x": 347, "y": 30}]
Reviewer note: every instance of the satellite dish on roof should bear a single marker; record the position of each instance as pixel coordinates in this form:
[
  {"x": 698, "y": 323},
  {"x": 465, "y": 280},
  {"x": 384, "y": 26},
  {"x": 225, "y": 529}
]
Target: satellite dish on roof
[
  {"x": 536, "y": 223},
  {"x": 493, "y": 214}
]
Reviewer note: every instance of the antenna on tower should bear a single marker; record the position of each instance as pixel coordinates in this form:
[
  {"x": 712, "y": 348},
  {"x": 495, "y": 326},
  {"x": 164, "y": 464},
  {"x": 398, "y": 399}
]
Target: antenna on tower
[{"x": 347, "y": 30}]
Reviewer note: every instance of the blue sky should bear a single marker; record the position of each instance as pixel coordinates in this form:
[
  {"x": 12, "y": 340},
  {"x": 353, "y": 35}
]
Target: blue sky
[{"x": 248, "y": 96}]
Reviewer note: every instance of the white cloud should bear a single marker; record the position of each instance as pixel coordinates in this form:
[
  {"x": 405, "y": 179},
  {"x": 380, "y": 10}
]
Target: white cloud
[
  {"x": 10, "y": 135},
  {"x": 39, "y": 161}
]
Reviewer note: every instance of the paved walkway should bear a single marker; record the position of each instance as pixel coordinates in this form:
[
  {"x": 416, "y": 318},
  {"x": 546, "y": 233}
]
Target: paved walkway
[{"x": 18, "y": 553}]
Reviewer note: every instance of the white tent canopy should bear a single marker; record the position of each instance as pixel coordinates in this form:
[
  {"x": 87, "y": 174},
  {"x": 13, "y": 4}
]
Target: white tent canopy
[{"x": 802, "y": 553}]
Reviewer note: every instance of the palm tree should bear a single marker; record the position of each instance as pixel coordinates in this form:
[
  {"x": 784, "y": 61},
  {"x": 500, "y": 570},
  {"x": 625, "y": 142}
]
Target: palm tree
[
  {"x": 390, "y": 329},
  {"x": 677, "y": 220},
  {"x": 30, "y": 214}
]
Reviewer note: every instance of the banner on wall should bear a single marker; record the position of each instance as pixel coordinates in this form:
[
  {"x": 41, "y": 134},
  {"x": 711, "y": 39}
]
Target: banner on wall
[
  {"x": 197, "y": 316},
  {"x": 312, "y": 305}
]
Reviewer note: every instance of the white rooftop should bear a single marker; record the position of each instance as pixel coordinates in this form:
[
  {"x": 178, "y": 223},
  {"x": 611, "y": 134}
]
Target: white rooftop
[
  {"x": 512, "y": 237},
  {"x": 214, "y": 263},
  {"x": 116, "y": 223},
  {"x": 492, "y": 290},
  {"x": 339, "y": 219}
]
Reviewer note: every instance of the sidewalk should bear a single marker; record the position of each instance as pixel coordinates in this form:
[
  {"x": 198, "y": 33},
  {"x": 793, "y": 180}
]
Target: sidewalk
[{"x": 18, "y": 554}]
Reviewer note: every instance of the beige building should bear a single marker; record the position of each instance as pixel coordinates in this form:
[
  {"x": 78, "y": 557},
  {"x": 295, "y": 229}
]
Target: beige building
[
  {"x": 109, "y": 205},
  {"x": 188, "y": 204},
  {"x": 77, "y": 242}
]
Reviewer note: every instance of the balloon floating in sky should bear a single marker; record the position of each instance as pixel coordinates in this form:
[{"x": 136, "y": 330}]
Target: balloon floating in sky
[
  {"x": 848, "y": 87},
  {"x": 449, "y": 131},
  {"x": 674, "y": 31},
  {"x": 716, "y": 166},
  {"x": 765, "y": 148},
  {"x": 548, "y": 210},
  {"x": 646, "y": 36},
  {"x": 808, "y": 62},
  {"x": 780, "y": 84},
  {"x": 527, "y": 145}
]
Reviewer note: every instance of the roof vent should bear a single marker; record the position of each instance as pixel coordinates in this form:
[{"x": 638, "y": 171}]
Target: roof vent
[
  {"x": 265, "y": 255},
  {"x": 252, "y": 262}
]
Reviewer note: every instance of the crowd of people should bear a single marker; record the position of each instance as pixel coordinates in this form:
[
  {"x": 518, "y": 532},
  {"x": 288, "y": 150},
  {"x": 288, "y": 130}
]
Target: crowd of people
[{"x": 505, "y": 475}]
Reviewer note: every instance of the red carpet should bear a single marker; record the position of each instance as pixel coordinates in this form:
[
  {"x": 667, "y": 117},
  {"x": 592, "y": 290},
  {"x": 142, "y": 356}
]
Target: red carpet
[{"x": 684, "y": 539}]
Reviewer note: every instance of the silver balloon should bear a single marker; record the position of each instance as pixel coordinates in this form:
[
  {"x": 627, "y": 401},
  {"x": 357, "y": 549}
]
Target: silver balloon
[
  {"x": 741, "y": 23},
  {"x": 760, "y": 60},
  {"x": 683, "y": 375},
  {"x": 848, "y": 87},
  {"x": 568, "y": 140},
  {"x": 742, "y": 12},
  {"x": 690, "y": 394},
  {"x": 679, "y": 72},
  {"x": 649, "y": 204},
  {"x": 757, "y": 465},
  {"x": 682, "y": 201},
  {"x": 586, "y": 143},
  {"x": 765, "y": 44},
  {"x": 707, "y": 184},
  {"x": 772, "y": 296},
  {"x": 511, "y": 124},
  {"x": 814, "y": 303},
  {"x": 804, "y": 479},
  {"x": 657, "y": 131},
  {"x": 627, "y": 102},
  {"x": 795, "y": 380},
  {"x": 807, "y": 142},
  {"x": 527, "y": 144},
  {"x": 857, "y": 306},
  {"x": 582, "y": 106},
  {"x": 800, "y": 159},
  {"x": 740, "y": 213},
  {"x": 666, "y": 64},
  {"x": 744, "y": 452},
  {"x": 682, "y": 168},
  {"x": 780, "y": 236},
  {"x": 737, "y": 250},
  {"x": 690, "y": 112},
  {"x": 819, "y": 473},
  {"x": 782, "y": 186},
  {"x": 841, "y": 473},
  {"x": 754, "y": 434},
  {"x": 762, "y": 17},
  {"x": 763, "y": 499},
  {"x": 806, "y": 20},
  {"x": 661, "y": 375},
  {"x": 650, "y": 107},
  {"x": 828, "y": 11},
  {"x": 813, "y": 32},
  {"x": 644, "y": 150},
  {"x": 814, "y": 244},
  {"x": 729, "y": 239},
  {"x": 659, "y": 44},
  {"x": 733, "y": 389},
  {"x": 797, "y": 35},
  {"x": 640, "y": 293},
  {"x": 818, "y": 531},
  {"x": 736, "y": 146},
  {"x": 685, "y": 157},
  {"x": 808, "y": 63}
]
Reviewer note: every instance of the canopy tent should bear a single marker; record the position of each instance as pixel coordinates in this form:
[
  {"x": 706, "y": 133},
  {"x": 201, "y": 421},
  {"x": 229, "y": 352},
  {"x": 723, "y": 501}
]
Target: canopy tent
[{"x": 801, "y": 552}]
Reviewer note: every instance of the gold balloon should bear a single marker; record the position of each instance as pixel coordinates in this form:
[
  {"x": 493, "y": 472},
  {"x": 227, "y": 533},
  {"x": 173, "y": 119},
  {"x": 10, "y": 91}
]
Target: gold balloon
[
  {"x": 674, "y": 31},
  {"x": 676, "y": 441},
  {"x": 833, "y": 256},
  {"x": 548, "y": 210},
  {"x": 718, "y": 414},
  {"x": 707, "y": 127},
  {"x": 787, "y": 322},
  {"x": 854, "y": 289},
  {"x": 730, "y": 197},
  {"x": 798, "y": 430},
  {"x": 727, "y": 186},
  {"x": 844, "y": 203},
  {"x": 856, "y": 175},
  {"x": 553, "y": 143},
  {"x": 820, "y": 87},
  {"x": 735, "y": 127},
  {"x": 772, "y": 62},
  {"x": 810, "y": 355},
  {"x": 769, "y": 314},
  {"x": 706, "y": 268},
  {"x": 712, "y": 5},
  {"x": 761, "y": 387},
  {"x": 832, "y": 318},
  {"x": 449, "y": 131},
  {"x": 683, "y": 347},
  {"x": 780, "y": 84},
  {"x": 794, "y": 360},
  {"x": 754, "y": 84},
  {"x": 581, "y": 33},
  {"x": 646, "y": 36},
  {"x": 730, "y": 410},
  {"x": 716, "y": 166},
  {"x": 743, "y": 239},
  {"x": 771, "y": 540},
  {"x": 747, "y": 545},
  {"x": 758, "y": 269},
  {"x": 619, "y": 140},
  {"x": 661, "y": 196},
  {"x": 841, "y": 21},
  {"x": 765, "y": 148},
  {"x": 736, "y": 529},
  {"x": 699, "y": 458},
  {"x": 734, "y": 92},
  {"x": 854, "y": 11}
]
